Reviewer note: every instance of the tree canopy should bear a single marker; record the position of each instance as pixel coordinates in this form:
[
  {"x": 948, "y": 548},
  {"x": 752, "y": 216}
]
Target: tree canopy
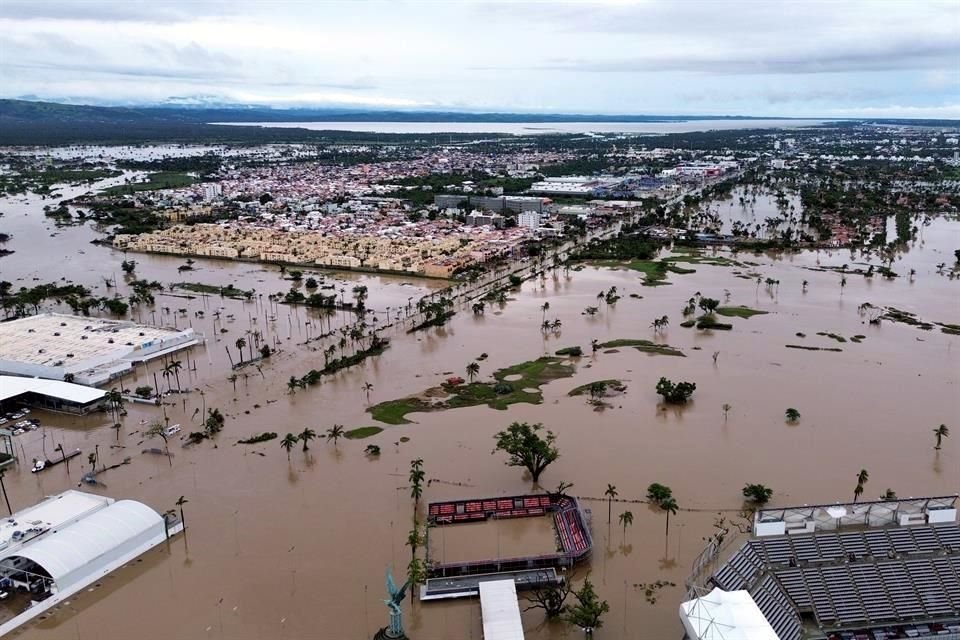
[{"x": 526, "y": 448}]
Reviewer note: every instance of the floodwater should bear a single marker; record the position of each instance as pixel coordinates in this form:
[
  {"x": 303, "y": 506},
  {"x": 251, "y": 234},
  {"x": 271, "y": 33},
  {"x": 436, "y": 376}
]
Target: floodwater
[
  {"x": 296, "y": 549},
  {"x": 493, "y": 539},
  {"x": 536, "y": 128}
]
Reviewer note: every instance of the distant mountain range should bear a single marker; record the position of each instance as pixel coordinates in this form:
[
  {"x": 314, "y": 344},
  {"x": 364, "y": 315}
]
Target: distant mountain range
[
  {"x": 25, "y": 122},
  {"x": 183, "y": 110}
]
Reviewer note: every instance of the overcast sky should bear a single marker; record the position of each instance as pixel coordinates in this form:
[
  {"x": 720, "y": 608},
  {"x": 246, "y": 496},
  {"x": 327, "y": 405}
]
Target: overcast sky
[{"x": 898, "y": 58}]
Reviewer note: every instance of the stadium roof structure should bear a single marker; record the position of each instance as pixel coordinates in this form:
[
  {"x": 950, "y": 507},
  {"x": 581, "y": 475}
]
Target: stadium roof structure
[
  {"x": 725, "y": 615},
  {"x": 902, "y": 567}
]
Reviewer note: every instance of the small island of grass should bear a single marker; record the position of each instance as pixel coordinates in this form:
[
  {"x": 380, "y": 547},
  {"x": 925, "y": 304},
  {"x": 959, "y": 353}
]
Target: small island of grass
[
  {"x": 739, "y": 312},
  {"x": 362, "y": 432},
  {"x": 642, "y": 345},
  {"x": 510, "y": 385},
  {"x": 590, "y": 388}
]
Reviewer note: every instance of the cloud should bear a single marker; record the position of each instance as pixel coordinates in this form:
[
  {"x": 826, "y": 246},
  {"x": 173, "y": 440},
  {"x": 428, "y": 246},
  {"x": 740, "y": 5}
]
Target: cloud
[{"x": 151, "y": 11}]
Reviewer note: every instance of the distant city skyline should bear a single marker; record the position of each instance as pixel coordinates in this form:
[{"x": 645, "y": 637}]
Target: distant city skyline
[{"x": 736, "y": 57}]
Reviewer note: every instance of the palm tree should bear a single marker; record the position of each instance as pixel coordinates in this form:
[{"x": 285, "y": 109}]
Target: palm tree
[
  {"x": 545, "y": 307},
  {"x": 292, "y": 384},
  {"x": 472, "y": 370},
  {"x": 335, "y": 433},
  {"x": 669, "y": 506},
  {"x": 941, "y": 432},
  {"x": 726, "y": 408},
  {"x": 611, "y": 493},
  {"x": 367, "y": 388},
  {"x": 240, "y": 344},
  {"x": 180, "y": 502},
  {"x": 175, "y": 367},
  {"x": 626, "y": 519},
  {"x": 306, "y": 436},
  {"x": 289, "y": 442},
  {"x": 862, "y": 478}
]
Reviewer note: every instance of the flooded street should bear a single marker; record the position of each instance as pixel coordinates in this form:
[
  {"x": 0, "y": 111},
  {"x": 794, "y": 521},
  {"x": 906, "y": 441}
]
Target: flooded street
[{"x": 296, "y": 549}]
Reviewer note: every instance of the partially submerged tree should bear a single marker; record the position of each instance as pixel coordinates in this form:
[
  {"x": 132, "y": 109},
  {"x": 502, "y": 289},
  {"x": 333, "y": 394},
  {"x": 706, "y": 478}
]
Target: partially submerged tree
[
  {"x": 289, "y": 442},
  {"x": 522, "y": 442},
  {"x": 941, "y": 432},
  {"x": 792, "y": 415},
  {"x": 550, "y": 597},
  {"x": 611, "y": 493},
  {"x": 757, "y": 493},
  {"x": 588, "y": 610},
  {"x": 675, "y": 393}
]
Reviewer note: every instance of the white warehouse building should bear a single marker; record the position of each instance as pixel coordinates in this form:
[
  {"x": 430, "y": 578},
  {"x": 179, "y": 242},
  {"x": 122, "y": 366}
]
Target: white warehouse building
[
  {"x": 52, "y": 550},
  {"x": 89, "y": 351}
]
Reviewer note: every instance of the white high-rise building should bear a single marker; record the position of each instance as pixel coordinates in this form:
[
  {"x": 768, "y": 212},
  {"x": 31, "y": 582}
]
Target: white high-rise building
[
  {"x": 529, "y": 219},
  {"x": 211, "y": 191}
]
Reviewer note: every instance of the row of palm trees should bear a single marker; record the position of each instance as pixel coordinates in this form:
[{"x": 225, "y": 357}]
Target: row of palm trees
[{"x": 290, "y": 440}]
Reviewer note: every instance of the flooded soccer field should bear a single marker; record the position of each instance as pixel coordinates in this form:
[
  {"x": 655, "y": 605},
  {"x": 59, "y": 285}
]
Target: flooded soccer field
[{"x": 296, "y": 548}]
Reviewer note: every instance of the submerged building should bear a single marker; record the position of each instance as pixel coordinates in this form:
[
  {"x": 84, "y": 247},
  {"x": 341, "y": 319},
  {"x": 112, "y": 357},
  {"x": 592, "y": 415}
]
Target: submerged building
[
  {"x": 871, "y": 570},
  {"x": 60, "y": 546},
  {"x": 90, "y": 351}
]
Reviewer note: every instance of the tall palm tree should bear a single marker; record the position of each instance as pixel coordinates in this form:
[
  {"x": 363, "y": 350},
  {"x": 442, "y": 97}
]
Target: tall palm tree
[
  {"x": 669, "y": 506},
  {"x": 941, "y": 432},
  {"x": 335, "y": 433},
  {"x": 472, "y": 370},
  {"x": 175, "y": 367},
  {"x": 157, "y": 430},
  {"x": 306, "y": 436},
  {"x": 233, "y": 379},
  {"x": 367, "y": 388},
  {"x": 862, "y": 478},
  {"x": 182, "y": 500},
  {"x": 240, "y": 344},
  {"x": 289, "y": 442},
  {"x": 626, "y": 519},
  {"x": 545, "y": 307},
  {"x": 611, "y": 493}
]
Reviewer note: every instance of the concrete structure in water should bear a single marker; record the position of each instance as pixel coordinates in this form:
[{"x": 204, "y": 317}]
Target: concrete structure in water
[
  {"x": 885, "y": 569},
  {"x": 62, "y": 545},
  {"x": 89, "y": 351}
]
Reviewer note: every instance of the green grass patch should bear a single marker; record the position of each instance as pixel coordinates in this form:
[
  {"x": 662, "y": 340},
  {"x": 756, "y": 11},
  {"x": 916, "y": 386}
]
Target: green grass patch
[
  {"x": 699, "y": 258},
  {"x": 154, "y": 181},
  {"x": 585, "y": 388},
  {"x": 263, "y": 437},
  {"x": 709, "y": 322},
  {"x": 858, "y": 339},
  {"x": 832, "y": 336},
  {"x": 805, "y": 348},
  {"x": 228, "y": 291},
  {"x": 642, "y": 345},
  {"x": 362, "y": 432},
  {"x": 574, "y": 351},
  {"x": 686, "y": 324},
  {"x": 497, "y": 394},
  {"x": 739, "y": 312}
]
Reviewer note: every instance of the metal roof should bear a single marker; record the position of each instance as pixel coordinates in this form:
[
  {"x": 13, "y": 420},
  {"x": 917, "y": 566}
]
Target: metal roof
[
  {"x": 83, "y": 548},
  {"x": 13, "y": 386},
  {"x": 500, "y": 610},
  {"x": 725, "y": 615}
]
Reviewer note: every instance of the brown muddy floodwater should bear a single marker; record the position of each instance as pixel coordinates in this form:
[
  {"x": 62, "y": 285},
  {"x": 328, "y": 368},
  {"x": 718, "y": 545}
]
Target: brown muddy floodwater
[
  {"x": 297, "y": 549},
  {"x": 493, "y": 539}
]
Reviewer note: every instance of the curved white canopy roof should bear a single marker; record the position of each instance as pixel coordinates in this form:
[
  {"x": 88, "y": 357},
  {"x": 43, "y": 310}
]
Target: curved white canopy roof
[
  {"x": 725, "y": 615},
  {"x": 83, "y": 547}
]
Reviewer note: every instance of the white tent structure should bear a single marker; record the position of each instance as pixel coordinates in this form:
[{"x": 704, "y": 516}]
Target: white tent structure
[
  {"x": 725, "y": 615},
  {"x": 95, "y": 536}
]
